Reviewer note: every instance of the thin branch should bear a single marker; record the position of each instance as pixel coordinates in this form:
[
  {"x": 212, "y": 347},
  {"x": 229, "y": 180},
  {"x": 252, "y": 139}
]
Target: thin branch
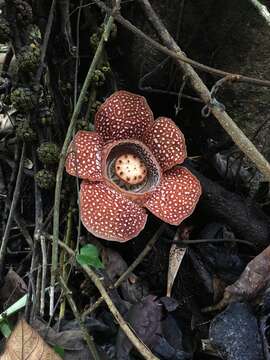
[
  {"x": 224, "y": 119},
  {"x": 59, "y": 176},
  {"x": 262, "y": 9},
  {"x": 178, "y": 55},
  {"x": 43, "y": 277},
  {"x": 138, "y": 344},
  {"x": 14, "y": 202},
  {"x": 88, "y": 339},
  {"x": 45, "y": 42},
  {"x": 129, "y": 270}
]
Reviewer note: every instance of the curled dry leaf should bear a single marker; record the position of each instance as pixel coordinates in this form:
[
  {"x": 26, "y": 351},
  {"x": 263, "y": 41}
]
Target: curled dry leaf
[
  {"x": 25, "y": 343},
  {"x": 176, "y": 256},
  {"x": 13, "y": 289}
]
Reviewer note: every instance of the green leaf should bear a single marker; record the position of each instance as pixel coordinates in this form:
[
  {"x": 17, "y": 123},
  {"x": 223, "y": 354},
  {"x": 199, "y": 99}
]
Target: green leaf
[
  {"x": 14, "y": 308},
  {"x": 59, "y": 350},
  {"x": 5, "y": 328},
  {"x": 89, "y": 255},
  {"x": 89, "y": 250}
]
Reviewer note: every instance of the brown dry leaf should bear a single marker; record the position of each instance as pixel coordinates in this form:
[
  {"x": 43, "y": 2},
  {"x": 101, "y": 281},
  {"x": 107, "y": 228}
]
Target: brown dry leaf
[
  {"x": 13, "y": 289},
  {"x": 25, "y": 344}
]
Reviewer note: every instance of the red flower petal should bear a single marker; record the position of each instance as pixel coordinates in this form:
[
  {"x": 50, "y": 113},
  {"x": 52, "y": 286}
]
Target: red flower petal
[
  {"x": 166, "y": 142},
  {"x": 108, "y": 214},
  {"x": 176, "y": 197},
  {"x": 123, "y": 116},
  {"x": 84, "y": 156}
]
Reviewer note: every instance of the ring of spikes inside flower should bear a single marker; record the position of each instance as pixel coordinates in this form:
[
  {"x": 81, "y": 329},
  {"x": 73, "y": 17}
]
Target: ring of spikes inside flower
[{"x": 130, "y": 167}]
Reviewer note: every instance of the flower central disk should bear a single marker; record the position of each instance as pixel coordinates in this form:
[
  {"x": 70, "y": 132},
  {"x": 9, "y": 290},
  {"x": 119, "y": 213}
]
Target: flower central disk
[{"x": 131, "y": 169}]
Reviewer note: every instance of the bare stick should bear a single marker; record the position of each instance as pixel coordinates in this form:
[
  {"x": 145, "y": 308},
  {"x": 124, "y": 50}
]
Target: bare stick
[
  {"x": 178, "y": 55},
  {"x": 45, "y": 42},
  {"x": 59, "y": 176},
  {"x": 139, "y": 345},
  {"x": 88, "y": 339},
  {"x": 43, "y": 278},
  {"x": 13, "y": 205},
  {"x": 135, "y": 263},
  {"x": 262, "y": 9},
  {"x": 224, "y": 119}
]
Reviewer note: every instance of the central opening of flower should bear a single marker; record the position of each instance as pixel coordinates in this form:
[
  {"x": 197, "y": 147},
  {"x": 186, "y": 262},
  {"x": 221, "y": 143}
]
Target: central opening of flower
[
  {"x": 131, "y": 166},
  {"x": 131, "y": 169}
]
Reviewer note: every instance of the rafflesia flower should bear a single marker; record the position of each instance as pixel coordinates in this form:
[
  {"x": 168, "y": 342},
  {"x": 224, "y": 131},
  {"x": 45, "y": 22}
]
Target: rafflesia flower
[{"x": 128, "y": 166}]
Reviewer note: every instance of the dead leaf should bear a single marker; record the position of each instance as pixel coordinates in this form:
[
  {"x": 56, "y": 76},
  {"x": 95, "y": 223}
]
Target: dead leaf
[
  {"x": 176, "y": 256},
  {"x": 145, "y": 319},
  {"x": 13, "y": 289},
  {"x": 113, "y": 262},
  {"x": 25, "y": 344}
]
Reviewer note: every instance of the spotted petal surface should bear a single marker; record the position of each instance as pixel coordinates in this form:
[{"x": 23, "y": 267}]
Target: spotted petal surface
[
  {"x": 108, "y": 214},
  {"x": 166, "y": 142},
  {"x": 84, "y": 156},
  {"x": 176, "y": 197},
  {"x": 123, "y": 116}
]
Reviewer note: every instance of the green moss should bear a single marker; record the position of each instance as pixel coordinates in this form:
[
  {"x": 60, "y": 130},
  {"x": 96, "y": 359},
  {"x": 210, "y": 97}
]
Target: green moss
[{"x": 48, "y": 153}]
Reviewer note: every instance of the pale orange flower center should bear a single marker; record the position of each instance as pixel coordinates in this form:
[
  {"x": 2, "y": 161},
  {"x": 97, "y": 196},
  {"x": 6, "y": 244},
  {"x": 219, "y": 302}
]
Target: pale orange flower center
[{"x": 131, "y": 169}]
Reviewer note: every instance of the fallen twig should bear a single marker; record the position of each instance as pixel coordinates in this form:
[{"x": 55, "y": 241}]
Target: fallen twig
[
  {"x": 185, "y": 63},
  {"x": 138, "y": 344},
  {"x": 88, "y": 339},
  {"x": 179, "y": 55},
  {"x": 43, "y": 277},
  {"x": 15, "y": 199},
  {"x": 129, "y": 270},
  {"x": 45, "y": 42},
  {"x": 59, "y": 176},
  {"x": 263, "y": 11}
]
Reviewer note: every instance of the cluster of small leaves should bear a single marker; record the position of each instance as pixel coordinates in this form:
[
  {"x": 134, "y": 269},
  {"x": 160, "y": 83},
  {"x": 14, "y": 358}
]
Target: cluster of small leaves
[
  {"x": 45, "y": 115},
  {"x": 29, "y": 58},
  {"x": 24, "y": 13},
  {"x": 45, "y": 179},
  {"x": 95, "y": 38},
  {"x": 45, "y": 109},
  {"x": 95, "y": 106},
  {"x": 65, "y": 87},
  {"x": 99, "y": 76},
  {"x": 23, "y": 99},
  {"x": 5, "y": 32},
  {"x": 48, "y": 153},
  {"x": 89, "y": 255},
  {"x": 24, "y": 132},
  {"x": 82, "y": 124}
]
